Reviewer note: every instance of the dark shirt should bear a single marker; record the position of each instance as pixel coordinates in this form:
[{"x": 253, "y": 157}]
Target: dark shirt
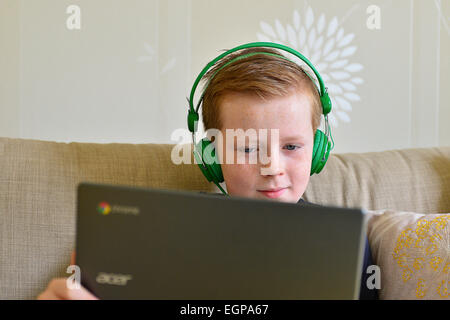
[{"x": 364, "y": 292}]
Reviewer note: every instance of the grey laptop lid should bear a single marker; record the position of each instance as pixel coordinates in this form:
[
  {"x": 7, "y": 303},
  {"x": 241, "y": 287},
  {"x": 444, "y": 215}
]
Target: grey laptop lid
[{"x": 138, "y": 243}]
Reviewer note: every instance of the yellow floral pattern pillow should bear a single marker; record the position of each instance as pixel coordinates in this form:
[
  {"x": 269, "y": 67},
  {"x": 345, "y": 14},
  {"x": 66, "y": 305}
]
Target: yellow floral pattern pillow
[{"x": 413, "y": 253}]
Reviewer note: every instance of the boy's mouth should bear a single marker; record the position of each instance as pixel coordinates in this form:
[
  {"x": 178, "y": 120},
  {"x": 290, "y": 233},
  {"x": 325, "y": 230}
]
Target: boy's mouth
[{"x": 273, "y": 193}]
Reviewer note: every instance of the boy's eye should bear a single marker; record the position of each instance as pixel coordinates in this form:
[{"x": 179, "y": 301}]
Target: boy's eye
[
  {"x": 249, "y": 149},
  {"x": 291, "y": 147}
]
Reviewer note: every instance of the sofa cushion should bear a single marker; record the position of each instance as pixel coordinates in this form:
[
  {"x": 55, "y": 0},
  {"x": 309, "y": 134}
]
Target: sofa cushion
[
  {"x": 413, "y": 253},
  {"x": 416, "y": 180}
]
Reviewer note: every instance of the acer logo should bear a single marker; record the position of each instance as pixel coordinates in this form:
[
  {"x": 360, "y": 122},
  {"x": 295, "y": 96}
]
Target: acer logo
[{"x": 116, "y": 279}]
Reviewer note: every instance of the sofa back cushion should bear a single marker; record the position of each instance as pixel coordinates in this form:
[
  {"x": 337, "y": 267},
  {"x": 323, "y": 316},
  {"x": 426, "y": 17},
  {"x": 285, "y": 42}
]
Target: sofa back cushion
[
  {"x": 38, "y": 181},
  {"x": 416, "y": 180}
]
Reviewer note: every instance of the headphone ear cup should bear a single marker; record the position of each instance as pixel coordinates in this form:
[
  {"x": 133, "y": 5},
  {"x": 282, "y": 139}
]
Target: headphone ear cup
[
  {"x": 209, "y": 163},
  {"x": 326, "y": 153},
  {"x": 321, "y": 151},
  {"x": 197, "y": 155}
]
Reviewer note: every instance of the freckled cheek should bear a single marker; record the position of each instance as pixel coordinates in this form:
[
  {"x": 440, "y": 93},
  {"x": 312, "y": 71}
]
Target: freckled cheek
[
  {"x": 299, "y": 175},
  {"x": 301, "y": 157},
  {"x": 238, "y": 176},
  {"x": 299, "y": 166}
]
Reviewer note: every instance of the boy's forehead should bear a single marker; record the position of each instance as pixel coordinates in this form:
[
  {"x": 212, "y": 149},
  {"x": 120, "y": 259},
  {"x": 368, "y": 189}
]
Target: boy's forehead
[
  {"x": 235, "y": 104},
  {"x": 289, "y": 115}
]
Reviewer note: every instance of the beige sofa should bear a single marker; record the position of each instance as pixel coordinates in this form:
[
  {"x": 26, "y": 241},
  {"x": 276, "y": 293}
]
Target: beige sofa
[{"x": 38, "y": 181}]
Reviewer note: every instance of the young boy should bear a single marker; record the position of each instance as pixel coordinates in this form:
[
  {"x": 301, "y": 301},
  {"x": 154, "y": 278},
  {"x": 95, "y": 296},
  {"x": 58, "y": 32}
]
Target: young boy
[{"x": 261, "y": 91}]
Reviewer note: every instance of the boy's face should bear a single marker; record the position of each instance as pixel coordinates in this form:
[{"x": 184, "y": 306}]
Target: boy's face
[{"x": 290, "y": 154}]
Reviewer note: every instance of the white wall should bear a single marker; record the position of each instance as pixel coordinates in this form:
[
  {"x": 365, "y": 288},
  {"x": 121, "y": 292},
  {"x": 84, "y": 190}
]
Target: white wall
[
  {"x": 9, "y": 68},
  {"x": 125, "y": 75}
]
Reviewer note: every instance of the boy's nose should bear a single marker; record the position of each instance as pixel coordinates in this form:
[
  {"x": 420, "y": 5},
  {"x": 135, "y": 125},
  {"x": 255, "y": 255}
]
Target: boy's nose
[{"x": 275, "y": 165}]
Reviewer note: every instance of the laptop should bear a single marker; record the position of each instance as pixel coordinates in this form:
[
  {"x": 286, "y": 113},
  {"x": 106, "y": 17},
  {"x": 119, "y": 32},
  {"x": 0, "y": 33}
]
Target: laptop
[{"x": 144, "y": 243}]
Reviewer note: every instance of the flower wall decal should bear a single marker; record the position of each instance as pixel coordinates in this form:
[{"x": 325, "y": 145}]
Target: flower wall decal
[
  {"x": 151, "y": 53},
  {"x": 438, "y": 5},
  {"x": 329, "y": 49}
]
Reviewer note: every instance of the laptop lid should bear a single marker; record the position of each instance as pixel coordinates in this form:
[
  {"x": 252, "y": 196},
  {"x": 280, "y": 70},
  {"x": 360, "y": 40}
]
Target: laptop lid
[{"x": 142, "y": 243}]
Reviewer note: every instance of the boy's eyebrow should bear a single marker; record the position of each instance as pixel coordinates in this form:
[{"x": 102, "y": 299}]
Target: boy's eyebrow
[{"x": 293, "y": 137}]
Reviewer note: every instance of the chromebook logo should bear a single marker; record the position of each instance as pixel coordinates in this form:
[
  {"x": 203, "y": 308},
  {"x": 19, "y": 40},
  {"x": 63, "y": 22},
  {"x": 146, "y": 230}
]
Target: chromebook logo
[{"x": 104, "y": 208}]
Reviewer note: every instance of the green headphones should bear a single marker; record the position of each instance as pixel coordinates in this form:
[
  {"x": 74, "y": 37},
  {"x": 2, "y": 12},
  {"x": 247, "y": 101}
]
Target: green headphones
[{"x": 208, "y": 162}]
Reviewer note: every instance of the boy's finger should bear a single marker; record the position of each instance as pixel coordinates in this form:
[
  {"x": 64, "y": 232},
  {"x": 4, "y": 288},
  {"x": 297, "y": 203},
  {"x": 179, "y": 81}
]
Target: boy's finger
[
  {"x": 72, "y": 258},
  {"x": 47, "y": 295},
  {"x": 81, "y": 294},
  {"x": 61, "y": 290}
]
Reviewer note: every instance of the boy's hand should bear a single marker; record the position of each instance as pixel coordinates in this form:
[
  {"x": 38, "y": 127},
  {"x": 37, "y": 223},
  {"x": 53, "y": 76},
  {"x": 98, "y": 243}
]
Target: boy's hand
[{"x": 57, "y": 289}]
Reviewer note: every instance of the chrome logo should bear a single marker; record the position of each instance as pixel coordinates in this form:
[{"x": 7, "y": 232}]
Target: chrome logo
[{"x": 104, "y": 208}]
